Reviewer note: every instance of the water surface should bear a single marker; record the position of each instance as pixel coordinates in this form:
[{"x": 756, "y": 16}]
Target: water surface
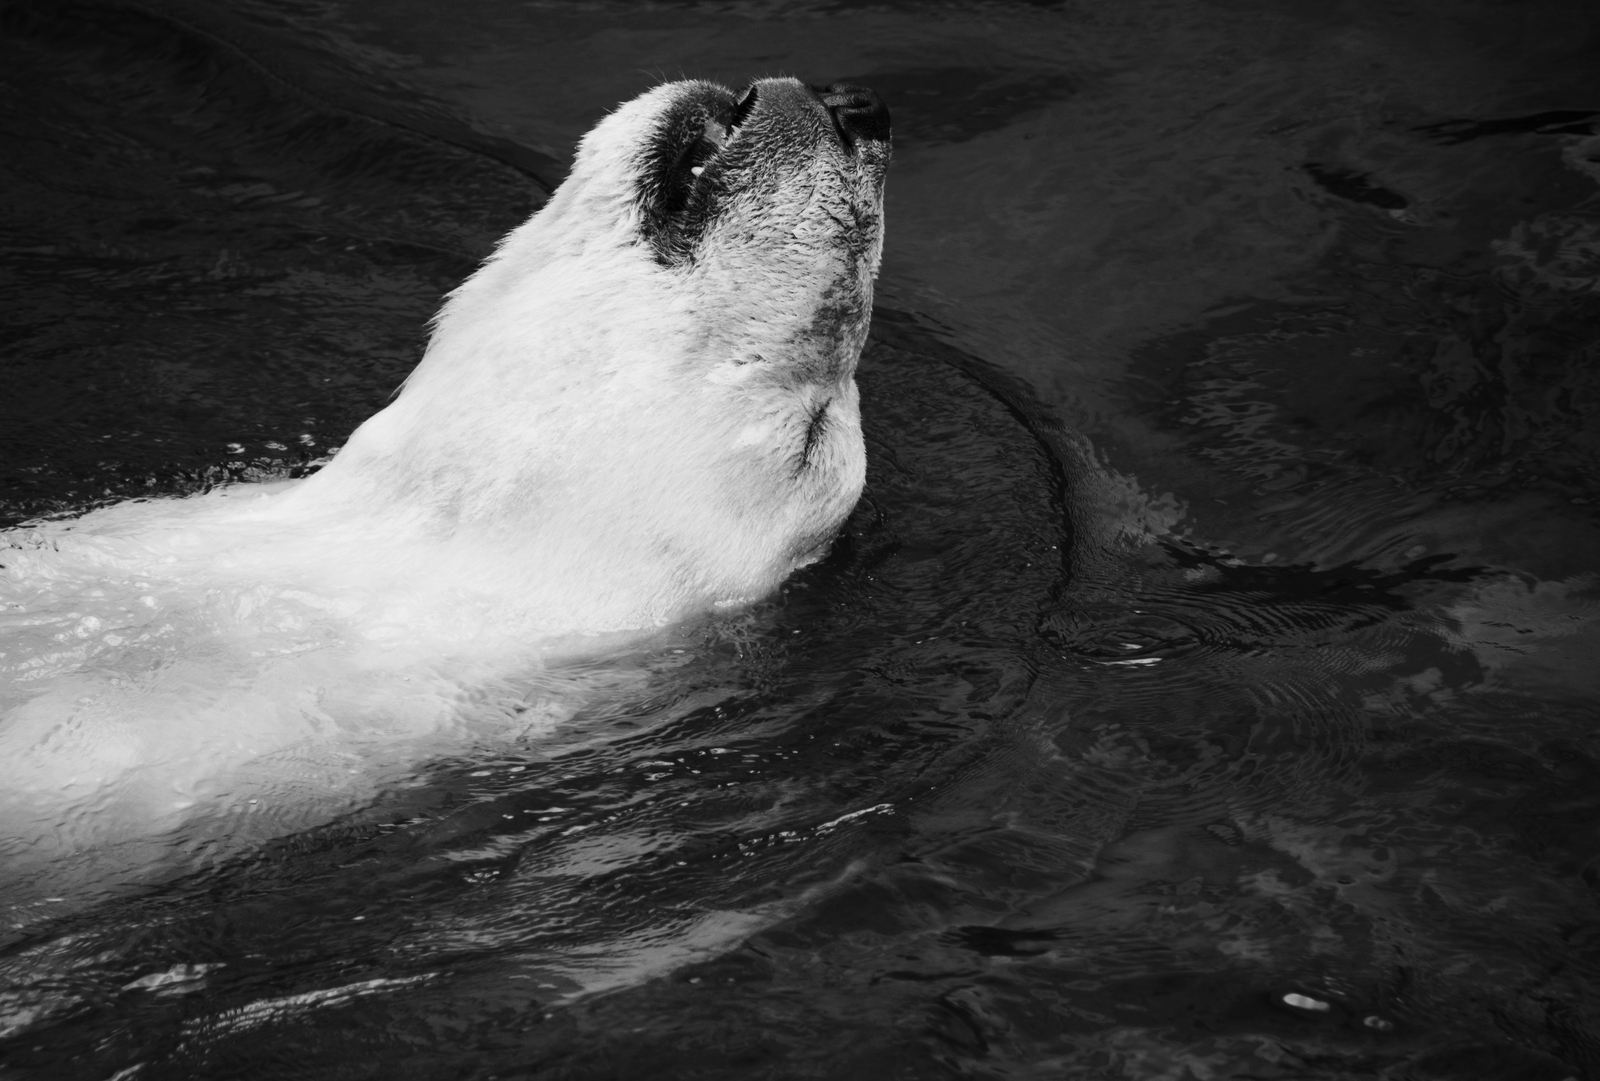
[{"x": 1205, "y": 686}]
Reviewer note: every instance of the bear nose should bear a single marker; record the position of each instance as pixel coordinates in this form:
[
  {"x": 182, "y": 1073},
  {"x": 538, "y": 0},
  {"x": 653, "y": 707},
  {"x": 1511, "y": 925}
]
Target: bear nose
[{"x": 859, "y": 113}]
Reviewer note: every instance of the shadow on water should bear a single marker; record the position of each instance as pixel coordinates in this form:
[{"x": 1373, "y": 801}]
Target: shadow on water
[
  {"x": 208, "y": 264},
  {"x": 1020, "y": 781}
]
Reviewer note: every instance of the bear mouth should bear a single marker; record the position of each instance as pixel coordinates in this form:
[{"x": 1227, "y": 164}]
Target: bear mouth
[{"x": 710, "y": 142}]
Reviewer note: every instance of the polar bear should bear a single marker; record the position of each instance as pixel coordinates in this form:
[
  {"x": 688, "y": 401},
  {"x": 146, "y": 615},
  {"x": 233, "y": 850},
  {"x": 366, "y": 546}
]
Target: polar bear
[{"x": 641, "y": 407}]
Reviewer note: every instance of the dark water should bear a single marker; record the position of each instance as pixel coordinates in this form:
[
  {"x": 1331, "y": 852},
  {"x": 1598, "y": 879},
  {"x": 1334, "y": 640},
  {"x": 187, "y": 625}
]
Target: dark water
[{"x": 1206, "y": 686}]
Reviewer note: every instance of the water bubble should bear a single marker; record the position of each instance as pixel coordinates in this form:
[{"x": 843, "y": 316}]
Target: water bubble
[{"x": 1306, "y": 1002}]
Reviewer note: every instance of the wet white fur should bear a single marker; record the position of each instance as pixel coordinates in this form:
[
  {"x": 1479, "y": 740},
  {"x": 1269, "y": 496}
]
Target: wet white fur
[{"x": 593, "y": 445}]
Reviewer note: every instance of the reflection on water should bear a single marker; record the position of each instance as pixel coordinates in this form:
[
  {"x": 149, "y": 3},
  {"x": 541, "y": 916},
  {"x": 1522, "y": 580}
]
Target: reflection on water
[{"x": 1204, "y": 687}]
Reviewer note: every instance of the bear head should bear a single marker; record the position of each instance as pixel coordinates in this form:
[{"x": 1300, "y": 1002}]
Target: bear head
[{"x": 644, "y": 400}]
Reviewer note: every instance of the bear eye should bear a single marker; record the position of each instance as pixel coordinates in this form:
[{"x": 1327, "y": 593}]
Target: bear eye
[
  {"x": 676, "y": 197},
  {"x": 690, "y": 165}
]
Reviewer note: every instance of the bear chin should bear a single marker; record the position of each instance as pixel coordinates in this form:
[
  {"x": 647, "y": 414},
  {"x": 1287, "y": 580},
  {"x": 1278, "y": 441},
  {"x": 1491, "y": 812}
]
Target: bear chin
[{"x": 641, "y": 407}]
